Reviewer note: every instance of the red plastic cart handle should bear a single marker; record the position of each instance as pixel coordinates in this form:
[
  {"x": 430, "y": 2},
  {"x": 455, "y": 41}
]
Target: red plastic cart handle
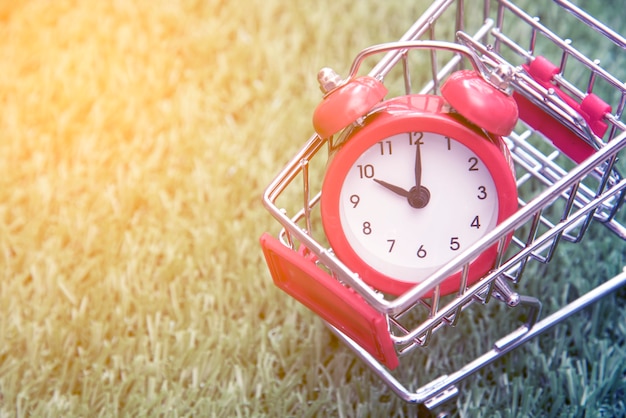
[
  {"x": 591, "y": 108},
  {"x": 338, "y": 305}
]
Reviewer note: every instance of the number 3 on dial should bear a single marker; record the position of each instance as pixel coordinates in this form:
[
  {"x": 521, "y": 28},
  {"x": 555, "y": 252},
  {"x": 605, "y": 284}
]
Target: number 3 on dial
[{"x": 411, "y": 189}]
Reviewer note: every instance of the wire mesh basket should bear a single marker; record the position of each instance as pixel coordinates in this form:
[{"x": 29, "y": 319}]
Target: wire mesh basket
[{"x": 564, "y": 149}]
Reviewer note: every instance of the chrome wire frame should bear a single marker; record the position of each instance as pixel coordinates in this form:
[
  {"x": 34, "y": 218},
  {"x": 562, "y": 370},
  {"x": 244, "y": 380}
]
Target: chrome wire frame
[{"x": 570, "y": 197}]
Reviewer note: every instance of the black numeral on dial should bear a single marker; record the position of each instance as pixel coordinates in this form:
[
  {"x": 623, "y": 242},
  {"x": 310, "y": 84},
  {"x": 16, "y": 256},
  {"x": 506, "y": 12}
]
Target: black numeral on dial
[
  {"x": 385, "y": 148},
  {"x": 366, "y": 171},
  {"x": 473, "y": 164},
  {"x": 482, "y": 192},
  {"x": 416, "y": 138}
]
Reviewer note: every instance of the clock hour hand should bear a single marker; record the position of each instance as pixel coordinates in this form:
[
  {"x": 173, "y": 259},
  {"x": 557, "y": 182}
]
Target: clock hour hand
[
  {"x": 417, "y": 198},
  {"x": 397, "y": 190}
]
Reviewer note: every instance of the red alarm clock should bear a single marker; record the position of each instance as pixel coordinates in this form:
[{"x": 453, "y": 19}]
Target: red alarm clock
[{"x": 419, "y": 178}]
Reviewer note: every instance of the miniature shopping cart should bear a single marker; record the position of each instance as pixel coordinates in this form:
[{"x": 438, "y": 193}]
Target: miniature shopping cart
[{"x": 564, "y": 149}]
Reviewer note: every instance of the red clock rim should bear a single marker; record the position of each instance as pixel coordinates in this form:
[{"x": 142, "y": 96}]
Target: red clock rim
[{"x": 407, "y": 118}]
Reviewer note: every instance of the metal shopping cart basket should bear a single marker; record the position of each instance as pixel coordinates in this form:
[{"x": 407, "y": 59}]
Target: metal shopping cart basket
[{"x": 564, "y": 150}]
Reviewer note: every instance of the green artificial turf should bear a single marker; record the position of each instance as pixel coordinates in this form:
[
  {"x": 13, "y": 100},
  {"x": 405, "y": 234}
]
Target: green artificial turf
[{"x": 136, "y": 141}]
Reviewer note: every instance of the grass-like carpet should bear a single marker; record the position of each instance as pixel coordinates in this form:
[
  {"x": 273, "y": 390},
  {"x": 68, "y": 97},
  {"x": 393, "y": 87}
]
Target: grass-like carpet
[{"x": 136, "y": 139}]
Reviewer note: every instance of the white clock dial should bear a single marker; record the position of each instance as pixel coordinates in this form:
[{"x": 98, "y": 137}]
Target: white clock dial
[{"x": 408, "y": 235}]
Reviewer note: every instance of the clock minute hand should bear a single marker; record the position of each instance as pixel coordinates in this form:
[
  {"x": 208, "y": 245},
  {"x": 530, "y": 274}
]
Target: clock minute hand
[
  {"x": 397, "y": 190},
  {"x": 418, "y": 164},
  {"x": 419, "y": 196}
]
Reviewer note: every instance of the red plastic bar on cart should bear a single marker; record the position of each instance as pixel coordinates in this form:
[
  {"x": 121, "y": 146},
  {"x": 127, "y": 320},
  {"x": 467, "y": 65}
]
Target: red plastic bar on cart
[
  {"x": 338, "y": 305},
  {"x": 591, "y": 108}
]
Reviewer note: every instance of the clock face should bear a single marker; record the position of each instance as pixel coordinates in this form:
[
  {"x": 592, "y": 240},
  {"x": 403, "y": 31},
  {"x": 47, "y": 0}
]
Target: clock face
[
  {"x": 412, "y": 189},
  {"x": 405, "y": 230}
]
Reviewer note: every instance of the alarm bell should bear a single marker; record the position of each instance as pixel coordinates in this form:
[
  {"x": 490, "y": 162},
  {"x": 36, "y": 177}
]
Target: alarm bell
[
  {"x": 481, "y": 102},
  {"x": 344, "y": 104}
]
